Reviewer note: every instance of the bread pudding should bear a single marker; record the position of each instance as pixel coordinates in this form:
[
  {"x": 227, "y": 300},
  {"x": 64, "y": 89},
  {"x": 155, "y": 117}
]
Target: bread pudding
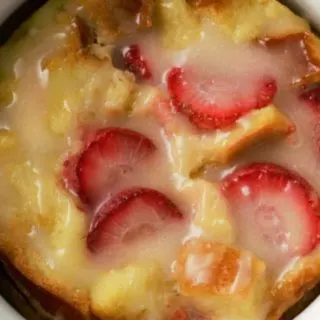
[{"x": 152, "y": 151}]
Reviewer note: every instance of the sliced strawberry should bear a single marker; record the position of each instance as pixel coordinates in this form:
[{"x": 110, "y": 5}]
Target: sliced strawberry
[
  {"x": 212, "y": 103},
  {"x": 297, "y": 52},
  {"x": 312, "y": 97},
  {"x": 130, "y": 215},
  {"x": 276, "y": 211},
  {"x": 136, "y": 63},
  {"x": 180, "y": 314},
  {"x": 111, "y": 156},
  {"x": 69, "y": 169}
]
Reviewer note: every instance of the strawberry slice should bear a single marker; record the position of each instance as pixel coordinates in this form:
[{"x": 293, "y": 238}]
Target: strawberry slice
[
  {"x": 132, "y": 214},
  {"x": 111, "y": 157},
  {"x": 136, "y": 63},
  {"x": 69, "y": 175},
  {"x": 180, "y": 314},
  {"x": 312, "y": 97},
  {"x": 213, "y": 103},
  {"x": 276, "y": 212}
]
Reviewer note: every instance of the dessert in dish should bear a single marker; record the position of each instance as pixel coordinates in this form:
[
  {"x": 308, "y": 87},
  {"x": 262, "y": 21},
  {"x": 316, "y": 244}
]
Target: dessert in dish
[{"x": 159, "y": 158}]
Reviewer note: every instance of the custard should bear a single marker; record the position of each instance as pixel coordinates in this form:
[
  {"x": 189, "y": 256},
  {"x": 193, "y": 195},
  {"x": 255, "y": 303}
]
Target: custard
[{"x": 159, "y": 158}]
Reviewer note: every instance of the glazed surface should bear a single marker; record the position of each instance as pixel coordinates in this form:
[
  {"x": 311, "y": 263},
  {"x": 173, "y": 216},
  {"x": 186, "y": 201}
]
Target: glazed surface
[{"x": 56, "y": 93}]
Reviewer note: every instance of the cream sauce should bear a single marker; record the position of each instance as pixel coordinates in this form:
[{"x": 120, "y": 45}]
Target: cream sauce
[{"x": 214, "y": 54}]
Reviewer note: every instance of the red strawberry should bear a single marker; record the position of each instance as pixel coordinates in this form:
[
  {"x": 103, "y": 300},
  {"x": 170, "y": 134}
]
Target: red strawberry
[
  {"x": 276, "y": 211},
  {"x": 110, "y": 157},
  {"x": 131, "y": 214},
  {"x": 180, "y": 314},
  {"x": 312, "y": 97},
  {"x": 212, "y": 103},
  {"x": 69, "y": 170},
  {"x": 136, "y": 63}
]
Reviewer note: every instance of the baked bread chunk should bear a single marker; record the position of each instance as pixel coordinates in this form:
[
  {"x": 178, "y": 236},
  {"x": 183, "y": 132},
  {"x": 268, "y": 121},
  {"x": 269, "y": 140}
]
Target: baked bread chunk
[{"x": 159, "y": 159}]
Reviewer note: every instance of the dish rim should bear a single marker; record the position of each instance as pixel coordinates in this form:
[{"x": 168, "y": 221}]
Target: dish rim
[{"x": 309, "y": 9}]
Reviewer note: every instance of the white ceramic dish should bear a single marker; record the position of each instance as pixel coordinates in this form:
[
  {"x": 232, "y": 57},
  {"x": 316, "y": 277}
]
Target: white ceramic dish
[{"x": 308, "y": 8}]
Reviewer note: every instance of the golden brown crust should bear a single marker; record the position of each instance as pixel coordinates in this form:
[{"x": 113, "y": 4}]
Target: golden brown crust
[
  {"x": 294, "y": 285},
  {"x": 220, "y": 147},
  {"x": 306, "y": 46},
  {"x": 108, "y": 20},
  {"x": 247, "y": 20},
  {"x": 268, "y": 123},
  {"x": 75, "y": 297},
  {"x": 77, "y": 47},
  {"x": 98, "y": 16},
  {"x": 234, "y": 17},
  {"x": 145, "y": 14},
  {"x": 208, "y": 273},
  {"x": 17, "y": 246},
  {"x": 221, "y": 265},
  {"x": 42, "y": 301},
  {"x": 201, "y": 3}
]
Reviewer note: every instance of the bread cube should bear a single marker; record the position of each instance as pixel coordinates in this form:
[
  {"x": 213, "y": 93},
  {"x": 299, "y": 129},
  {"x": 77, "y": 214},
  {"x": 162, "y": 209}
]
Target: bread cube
[
  {"x": 180, "y": 26},
  {"x": 211, "y": 214},
  {"x": 128, "y": 293},
  {"x": 227, "y": 281},
  {"x": 192, "y": 150}
]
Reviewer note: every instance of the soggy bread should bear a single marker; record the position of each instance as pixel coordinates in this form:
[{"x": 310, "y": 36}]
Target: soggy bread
[{"x": 85, "y": 109}]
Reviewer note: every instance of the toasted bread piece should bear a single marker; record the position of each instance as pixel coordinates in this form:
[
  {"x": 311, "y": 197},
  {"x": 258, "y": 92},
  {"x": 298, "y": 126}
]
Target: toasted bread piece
[
  {"x": 268, "y": 21},
  {"x": 211, "y": 219},
  {"x": 291, "y": 286},
  {"x": 81, "y": 84},
  {"x": 138, "y": 291},
  {"x": 228, "y": 281},
  {"x": 144, "y": 99},
  {"x": 178, "y": 24},
  {"x": 306, "y": 47},
  {"x": 247, "y": 20},
  {"x": 21, "y": 41},
  {"x": 67, "y": 107},
  {"x": 191, "y": 150},
  {"x": 111, "y": 19},
  {"x": 46, "y": 235}
]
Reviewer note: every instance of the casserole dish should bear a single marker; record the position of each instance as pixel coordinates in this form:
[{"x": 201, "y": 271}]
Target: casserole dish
[{"x": 308, "y": 314}]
